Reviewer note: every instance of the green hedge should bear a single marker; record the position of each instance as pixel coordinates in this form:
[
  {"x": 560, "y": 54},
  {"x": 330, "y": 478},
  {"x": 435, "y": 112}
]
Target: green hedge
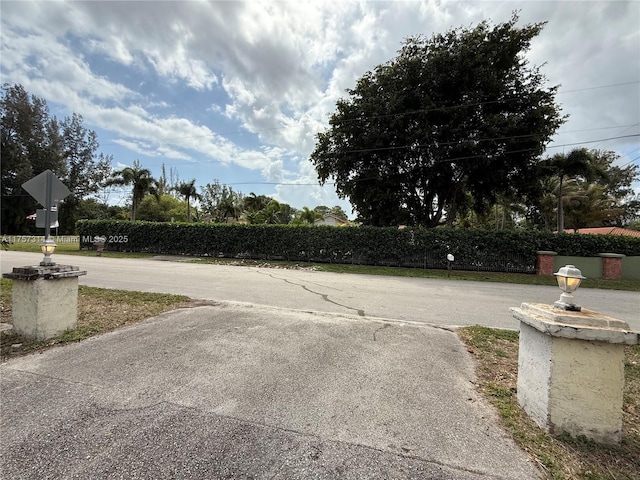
[{"x": 477, "y": 249}]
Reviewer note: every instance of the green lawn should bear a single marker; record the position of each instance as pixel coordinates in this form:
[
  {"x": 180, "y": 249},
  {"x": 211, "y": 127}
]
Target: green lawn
[
  {"x": 499, "y": 277},
  {"x": 71, "y": 248}
]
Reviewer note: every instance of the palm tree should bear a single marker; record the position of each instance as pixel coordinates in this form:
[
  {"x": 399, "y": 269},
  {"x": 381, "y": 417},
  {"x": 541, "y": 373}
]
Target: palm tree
[
  {"x": 309, "y": 216},
  {"x": 578, "y": 162},
  {"x": 254, "y": 203},
  {"x": 229, "y": 208},
  {"x": 550, "y": 196},
  {"x": 188, "y": 191},
  {"x": 592, "y": 208},
  {"x": 141, "y": 180}
]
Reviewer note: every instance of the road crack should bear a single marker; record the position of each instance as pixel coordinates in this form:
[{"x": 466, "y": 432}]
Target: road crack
[
  {"x": 386, "y": 325},
  {"x": 324, "y": 296}
]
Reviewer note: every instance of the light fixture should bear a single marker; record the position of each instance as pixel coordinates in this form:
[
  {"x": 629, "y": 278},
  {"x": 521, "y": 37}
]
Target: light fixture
[
  {"x": 569, "y": 279},
  {"x": 47, "y": 247}
]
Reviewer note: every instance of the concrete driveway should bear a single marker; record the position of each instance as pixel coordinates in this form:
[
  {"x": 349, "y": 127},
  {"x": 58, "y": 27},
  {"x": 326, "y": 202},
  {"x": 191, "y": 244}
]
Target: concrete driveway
[{"x": 237, "y": 391}]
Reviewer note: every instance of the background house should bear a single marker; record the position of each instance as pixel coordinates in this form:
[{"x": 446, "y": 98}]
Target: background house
[
  {"x": 607, "y": 231},
  {"x": 331, "y": 219}
]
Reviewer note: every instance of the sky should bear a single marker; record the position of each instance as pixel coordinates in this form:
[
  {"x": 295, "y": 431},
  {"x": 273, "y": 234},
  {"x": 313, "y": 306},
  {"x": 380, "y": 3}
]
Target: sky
[{"x": 237, "y": 91}]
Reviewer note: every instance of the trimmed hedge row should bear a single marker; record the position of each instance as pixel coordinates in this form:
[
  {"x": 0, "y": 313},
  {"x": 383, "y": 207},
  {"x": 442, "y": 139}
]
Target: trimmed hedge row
[{"x": 369, "y": 245}]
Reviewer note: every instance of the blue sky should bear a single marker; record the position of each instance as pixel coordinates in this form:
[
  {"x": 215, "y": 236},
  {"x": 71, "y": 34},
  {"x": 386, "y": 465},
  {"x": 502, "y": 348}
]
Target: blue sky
[{"x": 237, "y": 91}]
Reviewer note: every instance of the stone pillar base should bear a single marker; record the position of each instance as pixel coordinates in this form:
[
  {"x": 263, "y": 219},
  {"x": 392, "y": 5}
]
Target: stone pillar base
[
  {"x": 44, "y": 300},
  {"x": 571, "y": 370}
]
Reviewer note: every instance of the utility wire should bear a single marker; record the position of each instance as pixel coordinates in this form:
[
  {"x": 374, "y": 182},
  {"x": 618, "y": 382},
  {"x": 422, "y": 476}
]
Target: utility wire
[
  {"x": 401, "y": 147},
  {"x": 449, "y": 107},
  {"x": 635, "y": 82}
]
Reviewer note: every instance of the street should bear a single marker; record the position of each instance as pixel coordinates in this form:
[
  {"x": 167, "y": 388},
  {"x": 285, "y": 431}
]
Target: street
[{"x": 429, "y": 301}]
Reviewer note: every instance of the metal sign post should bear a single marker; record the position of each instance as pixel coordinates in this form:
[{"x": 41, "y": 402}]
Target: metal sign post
[
  {"x": 45, "y": 297},
  {"x": 47, "y": 189}
]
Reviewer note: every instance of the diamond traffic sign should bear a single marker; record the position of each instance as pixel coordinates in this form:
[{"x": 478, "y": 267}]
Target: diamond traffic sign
[{"x": 37, "y": 188}]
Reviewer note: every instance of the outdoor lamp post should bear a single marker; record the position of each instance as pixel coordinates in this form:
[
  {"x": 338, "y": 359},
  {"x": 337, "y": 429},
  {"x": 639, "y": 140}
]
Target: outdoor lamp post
[
  {"x": 569, "y": 279},
  {"x": 47, "y": 247}
]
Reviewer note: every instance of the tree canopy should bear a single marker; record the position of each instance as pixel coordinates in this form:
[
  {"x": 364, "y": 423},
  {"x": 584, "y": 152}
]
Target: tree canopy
[
  {"x": 33, "y": 141},
  {"x": 459, "y": 113}
]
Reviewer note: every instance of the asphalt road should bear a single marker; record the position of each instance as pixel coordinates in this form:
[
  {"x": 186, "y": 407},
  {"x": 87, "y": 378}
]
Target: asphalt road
[{"x": 429, "y": 301}]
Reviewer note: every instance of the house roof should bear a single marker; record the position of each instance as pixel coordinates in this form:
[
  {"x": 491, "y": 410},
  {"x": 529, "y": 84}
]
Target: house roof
[
  {"x": 608, "y": 231},
  {"x": 339, "y": 220}
]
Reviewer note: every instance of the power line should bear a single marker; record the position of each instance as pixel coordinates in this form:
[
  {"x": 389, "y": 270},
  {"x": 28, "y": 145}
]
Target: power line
[
  {"x": 625, "y": 130},
  {"x": 212, "y": 134},
  {"x": 292, "y": 184},
  {"x": 599, "y": 86},
  {"x": 631, "y": 161},
  {"x": 562, "y": 132},
  {"x": 401, "y": 147}
]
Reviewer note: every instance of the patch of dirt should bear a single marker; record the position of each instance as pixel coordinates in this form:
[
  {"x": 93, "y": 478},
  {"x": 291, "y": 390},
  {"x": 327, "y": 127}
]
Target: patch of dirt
[{"x": 262, "y": 264}]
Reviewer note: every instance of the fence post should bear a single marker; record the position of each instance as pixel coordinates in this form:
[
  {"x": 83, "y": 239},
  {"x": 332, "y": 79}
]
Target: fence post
[
  {"x": 611, "y": 266},
  {"x": 544, "y": 262}
]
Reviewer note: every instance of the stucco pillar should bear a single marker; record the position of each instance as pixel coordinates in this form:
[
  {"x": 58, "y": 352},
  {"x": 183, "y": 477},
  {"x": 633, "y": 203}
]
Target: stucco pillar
[
  {"x": 544, "y": 262},
  {"x": 611, "y": 266},
  {"x": 571, "y": 370},
  {"x": 44, "y": 300}
]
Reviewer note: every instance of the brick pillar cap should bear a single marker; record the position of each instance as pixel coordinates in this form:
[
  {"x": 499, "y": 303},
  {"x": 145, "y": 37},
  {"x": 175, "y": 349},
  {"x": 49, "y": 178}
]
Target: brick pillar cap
[
  {"x": 611, "y": 255},
  {"x": 546, "y": 252}
]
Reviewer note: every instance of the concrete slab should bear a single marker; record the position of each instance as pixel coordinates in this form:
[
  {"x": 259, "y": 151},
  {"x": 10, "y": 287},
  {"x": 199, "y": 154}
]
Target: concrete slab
[{"x": 235, "y": 391}]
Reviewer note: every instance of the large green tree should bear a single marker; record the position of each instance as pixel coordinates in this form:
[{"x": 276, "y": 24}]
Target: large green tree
[
  {"x": 34, "y": 141},
  {"x": 457, "y": 113},
  {"x": 31, "y": 143},
  {"x": 309, "y": 216},
  {"x": 86, "y": 170}
]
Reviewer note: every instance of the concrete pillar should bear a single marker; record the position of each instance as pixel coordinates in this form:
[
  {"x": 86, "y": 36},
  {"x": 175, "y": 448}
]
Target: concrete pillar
[
  {"x": 44, "y": 300},
  {"x": 571, "y": 370},
  {"x": 544, "y": 262},
  {"x": 611, "y": 266}
]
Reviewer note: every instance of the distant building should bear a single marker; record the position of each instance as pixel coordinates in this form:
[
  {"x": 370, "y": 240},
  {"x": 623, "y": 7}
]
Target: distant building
[
  {"x": 333, "y": 220},
  {"x": 607, "y": 231}
]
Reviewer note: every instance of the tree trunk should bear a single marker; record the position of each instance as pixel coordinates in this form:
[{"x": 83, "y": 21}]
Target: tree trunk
[{"x": 560, "y": 207}]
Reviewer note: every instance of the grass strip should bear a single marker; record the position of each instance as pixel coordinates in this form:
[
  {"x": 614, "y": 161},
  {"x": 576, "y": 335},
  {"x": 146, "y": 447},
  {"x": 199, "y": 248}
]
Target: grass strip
[
  {"x": 99, "y": 310},
  {"x": 498, "y": 277},
  {"x": 562, "y": 457}
]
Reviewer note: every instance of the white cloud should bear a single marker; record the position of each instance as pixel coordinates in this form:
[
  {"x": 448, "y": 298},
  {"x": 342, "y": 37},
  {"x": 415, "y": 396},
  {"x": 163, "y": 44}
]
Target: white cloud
[{"x": 277, "y": 69}]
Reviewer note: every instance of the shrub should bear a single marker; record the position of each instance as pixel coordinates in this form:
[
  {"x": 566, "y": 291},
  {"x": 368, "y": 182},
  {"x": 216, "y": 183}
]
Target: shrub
[{"x": 414, "y": 247}]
